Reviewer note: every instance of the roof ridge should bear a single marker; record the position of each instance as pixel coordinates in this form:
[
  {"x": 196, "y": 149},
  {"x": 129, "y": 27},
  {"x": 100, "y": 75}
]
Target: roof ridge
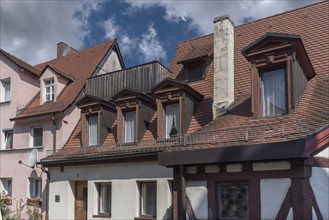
[
  {"x": 261, "y": 19},
  {"x": 282, "y": 13}
]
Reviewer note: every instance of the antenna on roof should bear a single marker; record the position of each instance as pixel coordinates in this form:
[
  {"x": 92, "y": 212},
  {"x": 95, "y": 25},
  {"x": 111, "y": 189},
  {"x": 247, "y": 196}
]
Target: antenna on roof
[{"x": 33, "y": 159}]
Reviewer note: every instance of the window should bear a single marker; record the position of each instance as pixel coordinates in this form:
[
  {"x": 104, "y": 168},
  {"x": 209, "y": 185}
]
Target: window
[
  {"x": 195, "y": 71},
  {"x": 148, "y": 201},
  {"x": 8, "y": 139},
  {"x": 104, "y": 198},
  {"x": 233, "y": 201},
  {"x": 130, "y": 127},
  {"x": 93, "y": 130},
  {"x": 274, "y": 93},
  {"x": 5, "y": 90},
  {"x": 36, "y": 136},
  {"x": 7, "y": 185},
  {"x": 49, "y": 90},
  {"x": 172, "y": 120},
  {"x": 35, "y": 188}
]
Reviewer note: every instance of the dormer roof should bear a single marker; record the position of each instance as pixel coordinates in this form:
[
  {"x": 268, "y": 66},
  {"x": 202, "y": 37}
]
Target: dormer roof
[
  {"x": 197, "y": 52},
  {"x": 126, "y": 94}
]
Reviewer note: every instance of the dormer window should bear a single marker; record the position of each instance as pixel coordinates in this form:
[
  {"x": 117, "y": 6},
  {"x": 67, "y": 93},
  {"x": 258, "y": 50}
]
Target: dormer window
[
  {"x": 49, "y": 90},
  {"x": 93, "y": 130},
  {"x": 280, "y": 69},
  {"x": 172, "y": 120},
  {"x": 274, "y": 95},
  {"x": 195, "y": 71},
  {"x": 130, "y": 127}
]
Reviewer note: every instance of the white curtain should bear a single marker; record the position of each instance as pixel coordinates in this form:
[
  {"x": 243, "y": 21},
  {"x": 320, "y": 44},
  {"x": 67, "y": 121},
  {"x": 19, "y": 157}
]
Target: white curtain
[
  {"x": 172, "y": 120},
  {"x": 93, "y": 128},
  {"x": 130, "y": 127},
  {"x": 105, "y": 198},
  {"x": 6, "y": 86},
  {"x": 274, "y": 93}
]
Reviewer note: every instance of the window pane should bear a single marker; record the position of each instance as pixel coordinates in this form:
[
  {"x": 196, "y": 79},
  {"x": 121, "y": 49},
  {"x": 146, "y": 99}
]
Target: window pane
[
  {"x": 8, "y": 139},
  {"x": 172, "y": 120},
  {"x": 9, "y": 186},
  {"x": 195, "y": 73},
  {"x": 104, "y": 198},
  {"x": 274, "y": 93},
  {"x": 37, "y": 136},
  {"x": 93, "y": 130},
  {"x": 7, "y": 90},
  {"x": 130, "y": 127},
  {"x": 148, "y": 199},
  {"x": 233, "y": 201}
]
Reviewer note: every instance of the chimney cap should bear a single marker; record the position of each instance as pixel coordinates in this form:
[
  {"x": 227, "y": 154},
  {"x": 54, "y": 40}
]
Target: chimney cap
[{"x": 222, "y": 18}]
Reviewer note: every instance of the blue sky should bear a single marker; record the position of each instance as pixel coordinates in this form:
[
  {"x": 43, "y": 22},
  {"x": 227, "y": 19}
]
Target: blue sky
[{"x": 146, "y": 30}]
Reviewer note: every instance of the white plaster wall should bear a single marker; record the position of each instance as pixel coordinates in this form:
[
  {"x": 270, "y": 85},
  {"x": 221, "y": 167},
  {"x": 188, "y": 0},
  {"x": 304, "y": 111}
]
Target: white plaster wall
[
  {"x": 65, "y": 208},
  {"x": 197, "y": 193},
  {"x": 284, "y": 165},
  {"x": 124, "y": 180},
  {"x": 59, "y": 83},
  {"x": 320, "y": 185},
  {"x": 273, "y": 192},
  {"x": 109, "y": 64},
  {"x": 324, "y": 153}
]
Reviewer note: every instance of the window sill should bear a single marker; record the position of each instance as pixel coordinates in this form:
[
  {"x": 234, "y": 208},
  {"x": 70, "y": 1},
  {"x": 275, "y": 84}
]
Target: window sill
[
  {"x": 21, "y": 149},
  {"x": 102, "y": 216},
  {"x": 4, "y": 102},
  {"x": 195, "y": 80},
  {"x": 145, "y": 218}
]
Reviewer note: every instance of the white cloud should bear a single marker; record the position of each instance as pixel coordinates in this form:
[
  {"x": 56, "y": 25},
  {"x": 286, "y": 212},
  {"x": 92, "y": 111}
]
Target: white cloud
[
  {"x": 150, "y": 47},
  {"x": 127, "y": 45},
  {"x": 110, "y": 28},
  {"x": 31, "y": 29},
  {"x": 202, "y": 13}
]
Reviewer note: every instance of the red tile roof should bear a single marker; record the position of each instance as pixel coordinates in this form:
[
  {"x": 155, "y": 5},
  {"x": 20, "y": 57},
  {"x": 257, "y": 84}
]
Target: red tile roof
[
  {"x": 311, "y": 114},
  {"x": 78, "y": 66},
  {"x": 21, "y": 63}
]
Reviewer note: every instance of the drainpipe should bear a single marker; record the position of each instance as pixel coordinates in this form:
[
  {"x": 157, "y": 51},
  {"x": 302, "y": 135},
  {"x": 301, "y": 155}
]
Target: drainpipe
[
  {"x": 54, "y": 132},
  {"x": 47, "y": 191}
]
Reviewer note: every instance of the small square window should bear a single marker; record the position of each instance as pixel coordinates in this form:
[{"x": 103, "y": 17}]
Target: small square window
[
  {"x": 195, "y": 71},
  {"x": 36, "y": 136},
  {"x": 130, "y": 127},
  {"x": 8, "y": 139},
  {"x": 172, "y": 120},
  {"x": 104, "y": 198},
  {"x": 5, "y": 90},
  {"x": 7, "y": 184},
  {"x": 148, "y": 199},
  {"x": 49, "y": 90},
  {"x": 233, "y": 201},
  {"x": 93, "y": 130},
  {"x": 35, "y": 188}
]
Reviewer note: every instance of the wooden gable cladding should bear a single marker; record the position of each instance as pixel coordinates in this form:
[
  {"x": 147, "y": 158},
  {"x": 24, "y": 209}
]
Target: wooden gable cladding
[
  {"x": 144, "y": 107},
  {"x": 171, "y": 91},
  {"x": 273, "y": 51},
  {"x": 106, "y": 116}
]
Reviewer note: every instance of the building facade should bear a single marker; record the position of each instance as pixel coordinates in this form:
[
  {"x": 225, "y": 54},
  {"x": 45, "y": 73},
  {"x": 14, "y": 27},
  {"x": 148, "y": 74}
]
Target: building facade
[
  {"x": 235, "y": 128},
  {"x": 38, "y": 113}
]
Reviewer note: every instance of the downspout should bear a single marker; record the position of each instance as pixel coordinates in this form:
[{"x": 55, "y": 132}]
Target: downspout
[
  {"x": 54, "y": 132},
  {"x": 47, "y": 191}
]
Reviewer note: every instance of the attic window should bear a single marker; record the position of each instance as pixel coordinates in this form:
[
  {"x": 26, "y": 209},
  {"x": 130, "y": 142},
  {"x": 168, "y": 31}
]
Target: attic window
[
  {"x": 280, "y": 69},
  {"x": 195, "y": 70},
  {"x": 130, "y": 127},
  {"x": 172, "y": 120},
  {"x": 49, "y": 90}
]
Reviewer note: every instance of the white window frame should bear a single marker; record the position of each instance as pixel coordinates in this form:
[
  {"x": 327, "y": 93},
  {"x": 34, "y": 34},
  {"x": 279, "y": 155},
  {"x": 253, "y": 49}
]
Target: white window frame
[
  {"x": 93, "y": 141},
  {"x": 100, "y": 196},
  {"x": 3, "y": 90},
  {"x": 5, "y": 139},
  {"x": 142, "y": 210},
  {"x": 6, "y": 186},
  {"x": 49, "y": 83},
  {"x": 32, "y": 135},
  {"x": 129, "y": 134},
  {"x": 168, "y": 119},
  {"x": 35, "y": 185}
]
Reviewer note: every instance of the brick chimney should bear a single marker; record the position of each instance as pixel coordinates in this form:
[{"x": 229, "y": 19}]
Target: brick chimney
[{"x": 223, "y": 65}]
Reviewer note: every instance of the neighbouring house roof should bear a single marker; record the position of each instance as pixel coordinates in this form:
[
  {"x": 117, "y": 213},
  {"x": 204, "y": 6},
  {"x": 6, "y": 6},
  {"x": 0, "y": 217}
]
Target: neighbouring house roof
[
  {"x": 237, "y": 127},
  {"x": 21, "y": 63},
  {"x": 77, "y": 67}
]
